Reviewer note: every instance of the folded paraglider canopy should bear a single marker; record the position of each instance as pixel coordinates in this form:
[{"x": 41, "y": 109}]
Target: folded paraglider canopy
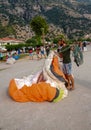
[{"x": 46, "y": 85}]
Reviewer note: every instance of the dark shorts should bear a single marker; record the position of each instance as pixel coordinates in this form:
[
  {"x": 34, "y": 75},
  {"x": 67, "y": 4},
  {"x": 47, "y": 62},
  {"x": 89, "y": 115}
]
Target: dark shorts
[{"x": 42, "y": 52}]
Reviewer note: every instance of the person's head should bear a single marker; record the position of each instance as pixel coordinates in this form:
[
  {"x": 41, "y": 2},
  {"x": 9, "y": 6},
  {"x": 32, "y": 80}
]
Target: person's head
[{"x": 62, "y": 42}]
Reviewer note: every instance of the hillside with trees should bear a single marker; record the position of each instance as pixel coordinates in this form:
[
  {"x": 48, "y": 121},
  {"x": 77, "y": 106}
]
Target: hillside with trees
[{"x": 72, "y": 17}]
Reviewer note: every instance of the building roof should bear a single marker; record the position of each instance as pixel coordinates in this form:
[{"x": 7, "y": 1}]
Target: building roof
[{"x": 7, "y": 39}]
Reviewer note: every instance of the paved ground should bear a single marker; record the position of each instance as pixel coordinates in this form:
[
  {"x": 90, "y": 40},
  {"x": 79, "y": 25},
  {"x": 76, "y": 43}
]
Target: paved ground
[{"x": 72, "y": 113}]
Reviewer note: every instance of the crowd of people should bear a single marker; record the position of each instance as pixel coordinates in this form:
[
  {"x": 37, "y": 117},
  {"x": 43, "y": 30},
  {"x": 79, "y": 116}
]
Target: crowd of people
[{"x": 39, "y": 51}]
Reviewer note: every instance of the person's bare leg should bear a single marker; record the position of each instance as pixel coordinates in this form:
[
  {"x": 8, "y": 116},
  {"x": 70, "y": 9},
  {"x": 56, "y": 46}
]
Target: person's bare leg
[
  {"x": 68, "y": 82},
  {"x": 71, "y": 81}
]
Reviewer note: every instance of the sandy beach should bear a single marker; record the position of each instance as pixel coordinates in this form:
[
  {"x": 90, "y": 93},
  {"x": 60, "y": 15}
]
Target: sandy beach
[{"x": 71, "y": 113}]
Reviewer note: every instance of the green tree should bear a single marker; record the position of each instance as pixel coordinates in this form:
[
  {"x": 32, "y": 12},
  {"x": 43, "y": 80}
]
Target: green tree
[
  {"x": 34, "y": 41},
  {"x": 39, "y": 25}
]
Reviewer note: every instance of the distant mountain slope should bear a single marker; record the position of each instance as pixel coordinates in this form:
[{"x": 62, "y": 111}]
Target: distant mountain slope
[
  {"x": 87, "y": 1},
  {"x": 72, "y": 16}
]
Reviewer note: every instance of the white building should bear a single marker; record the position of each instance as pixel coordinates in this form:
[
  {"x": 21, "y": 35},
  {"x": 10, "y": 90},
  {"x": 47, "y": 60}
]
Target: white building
[{"x": 9, "y": 41}]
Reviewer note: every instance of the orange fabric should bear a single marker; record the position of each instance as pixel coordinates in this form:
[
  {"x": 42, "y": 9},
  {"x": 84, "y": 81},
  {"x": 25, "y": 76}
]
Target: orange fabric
[
  {"x": 56, "y": 68},
  {"x": 15, "y": 93},
  {"x": 37, "y": 92}
]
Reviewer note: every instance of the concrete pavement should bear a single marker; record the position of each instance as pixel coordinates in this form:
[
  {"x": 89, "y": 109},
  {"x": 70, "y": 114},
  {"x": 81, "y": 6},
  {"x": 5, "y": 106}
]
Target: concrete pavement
[{"x": 72, "y": 113}]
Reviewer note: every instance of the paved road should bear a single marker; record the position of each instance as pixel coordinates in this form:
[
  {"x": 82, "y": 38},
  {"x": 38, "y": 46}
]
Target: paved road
[{"x": 72, "y": 113}]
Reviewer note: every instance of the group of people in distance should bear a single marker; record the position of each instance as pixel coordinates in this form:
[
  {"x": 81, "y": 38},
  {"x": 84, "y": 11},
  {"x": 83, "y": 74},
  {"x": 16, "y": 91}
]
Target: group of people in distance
[{"x": 39, "y": 51}]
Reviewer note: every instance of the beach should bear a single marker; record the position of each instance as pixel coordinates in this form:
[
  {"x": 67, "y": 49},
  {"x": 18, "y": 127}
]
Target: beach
[{"x": 71, "y": 113}]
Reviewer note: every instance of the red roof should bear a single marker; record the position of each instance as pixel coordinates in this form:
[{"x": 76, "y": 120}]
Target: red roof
[{"x": 6, "y": 39}]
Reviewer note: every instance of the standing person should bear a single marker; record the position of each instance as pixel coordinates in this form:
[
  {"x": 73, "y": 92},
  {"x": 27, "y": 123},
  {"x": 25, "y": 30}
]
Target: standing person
[
  {"x": 38, "y": 52},
  {"x": 84, "y": 46},
  {"x": 47, "y": 50},
  {"x": 42, "y": 51},
  {"x": 80, "y": 45},
  {"x": 67, "y": 65},
  {"x": 31, "y": 53}
]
